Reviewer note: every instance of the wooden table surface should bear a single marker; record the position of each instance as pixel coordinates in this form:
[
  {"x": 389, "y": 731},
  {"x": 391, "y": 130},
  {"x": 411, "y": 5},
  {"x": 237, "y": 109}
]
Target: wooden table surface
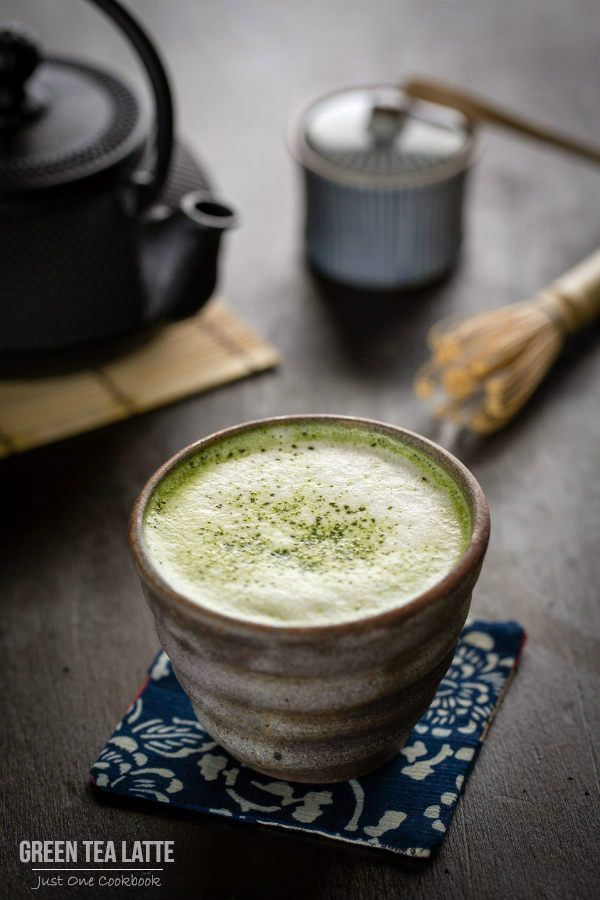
[{"x": 76, "y": 633}]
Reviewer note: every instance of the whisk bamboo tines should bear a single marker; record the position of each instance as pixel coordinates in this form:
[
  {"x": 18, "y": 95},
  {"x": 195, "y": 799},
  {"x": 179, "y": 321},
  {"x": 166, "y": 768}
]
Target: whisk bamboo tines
[{"x": 483, "y": 369}]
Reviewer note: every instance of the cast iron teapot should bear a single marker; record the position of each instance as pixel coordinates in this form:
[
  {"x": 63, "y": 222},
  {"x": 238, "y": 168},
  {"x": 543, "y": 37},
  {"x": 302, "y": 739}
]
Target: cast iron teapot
[{"x": 104, "y": 229}]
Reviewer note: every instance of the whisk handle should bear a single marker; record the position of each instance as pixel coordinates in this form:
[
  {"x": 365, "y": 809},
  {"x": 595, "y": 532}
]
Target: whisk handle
[{"x": 577, "y": 293}]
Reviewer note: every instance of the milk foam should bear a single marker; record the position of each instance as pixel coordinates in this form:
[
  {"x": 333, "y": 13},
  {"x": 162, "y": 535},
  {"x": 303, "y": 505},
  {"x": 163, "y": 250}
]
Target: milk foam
[{"x": 306, "y": 525}]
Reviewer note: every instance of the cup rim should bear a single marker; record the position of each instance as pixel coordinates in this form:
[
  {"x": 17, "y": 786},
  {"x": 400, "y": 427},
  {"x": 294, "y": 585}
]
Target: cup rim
[{"x": 468, "y": 562}]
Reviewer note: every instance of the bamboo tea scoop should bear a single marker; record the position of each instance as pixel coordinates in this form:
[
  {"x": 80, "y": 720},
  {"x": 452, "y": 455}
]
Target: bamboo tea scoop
[
  {"x": 484, "y": 368},
  {"x": 479, "y": 109}
]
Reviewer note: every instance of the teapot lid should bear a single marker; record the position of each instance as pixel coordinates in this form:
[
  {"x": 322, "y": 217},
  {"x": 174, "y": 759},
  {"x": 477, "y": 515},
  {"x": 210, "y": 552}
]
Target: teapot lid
[
  {"x": 377, "y": 134},
  {"x": 61, "y": 122}
]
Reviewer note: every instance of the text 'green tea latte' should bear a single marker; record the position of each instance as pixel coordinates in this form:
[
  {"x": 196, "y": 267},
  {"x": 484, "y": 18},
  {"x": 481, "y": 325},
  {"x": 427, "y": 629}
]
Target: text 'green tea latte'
[{"x": 305, "y": 524}]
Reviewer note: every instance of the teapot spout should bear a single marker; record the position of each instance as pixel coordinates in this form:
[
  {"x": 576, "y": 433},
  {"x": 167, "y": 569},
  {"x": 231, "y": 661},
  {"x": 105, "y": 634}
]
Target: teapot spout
[{"x": 180, "y": 254}]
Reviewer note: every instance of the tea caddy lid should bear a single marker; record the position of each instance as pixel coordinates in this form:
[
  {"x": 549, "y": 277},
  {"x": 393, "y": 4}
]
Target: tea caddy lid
[
  {"x": 377, "y": 134},
  {"x": 61, "y": 122}
]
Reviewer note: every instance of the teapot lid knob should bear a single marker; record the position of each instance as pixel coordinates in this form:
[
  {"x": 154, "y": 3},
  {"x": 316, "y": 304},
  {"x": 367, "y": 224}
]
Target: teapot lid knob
[{"x": 19, "y": 57}]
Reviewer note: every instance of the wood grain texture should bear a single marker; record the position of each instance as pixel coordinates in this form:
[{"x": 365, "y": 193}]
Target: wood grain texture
[
  {"x": 189, "y": 357},
  {"x": 77, "y": 635}
]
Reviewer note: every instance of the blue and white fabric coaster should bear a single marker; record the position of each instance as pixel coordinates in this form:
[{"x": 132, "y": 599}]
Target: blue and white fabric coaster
[{"x": 159, "y": 752}]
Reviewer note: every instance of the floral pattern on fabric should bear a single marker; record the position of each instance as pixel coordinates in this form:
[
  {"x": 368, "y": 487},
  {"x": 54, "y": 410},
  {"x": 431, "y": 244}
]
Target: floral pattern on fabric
[{"x": 159, "y": 752}]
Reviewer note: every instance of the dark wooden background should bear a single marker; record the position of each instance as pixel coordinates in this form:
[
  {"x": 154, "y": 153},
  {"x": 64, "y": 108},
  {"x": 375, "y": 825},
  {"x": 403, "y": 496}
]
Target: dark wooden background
[{"x": 76, "y": 633}]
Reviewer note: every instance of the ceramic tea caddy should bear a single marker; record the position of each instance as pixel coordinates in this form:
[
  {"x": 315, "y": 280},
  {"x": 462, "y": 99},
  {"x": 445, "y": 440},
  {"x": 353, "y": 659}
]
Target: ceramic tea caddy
[{"x": 384, "y": 177}]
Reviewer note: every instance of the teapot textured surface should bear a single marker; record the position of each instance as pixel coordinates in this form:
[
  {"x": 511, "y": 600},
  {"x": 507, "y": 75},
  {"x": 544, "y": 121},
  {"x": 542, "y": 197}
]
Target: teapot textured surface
[{"x": 78, "y": 200}]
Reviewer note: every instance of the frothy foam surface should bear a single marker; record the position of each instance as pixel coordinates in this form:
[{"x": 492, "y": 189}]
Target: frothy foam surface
[{"x": 306, "y": 524}]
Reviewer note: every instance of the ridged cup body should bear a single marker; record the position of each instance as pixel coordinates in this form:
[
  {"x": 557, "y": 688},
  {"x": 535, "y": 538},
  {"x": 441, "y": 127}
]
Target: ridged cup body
[{"x": 316, "y": 703}]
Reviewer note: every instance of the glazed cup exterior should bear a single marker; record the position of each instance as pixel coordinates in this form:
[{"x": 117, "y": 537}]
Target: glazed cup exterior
[
  {"x": 317, "y": 703},
  {"x": 383, "y": 238}
]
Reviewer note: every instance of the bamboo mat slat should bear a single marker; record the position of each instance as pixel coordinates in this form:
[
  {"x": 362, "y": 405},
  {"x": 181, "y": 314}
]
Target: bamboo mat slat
[{"x": 185, "y": 358}]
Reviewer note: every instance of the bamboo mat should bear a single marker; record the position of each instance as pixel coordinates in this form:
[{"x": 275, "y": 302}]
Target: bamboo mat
[{"x": 188, "y": 357}]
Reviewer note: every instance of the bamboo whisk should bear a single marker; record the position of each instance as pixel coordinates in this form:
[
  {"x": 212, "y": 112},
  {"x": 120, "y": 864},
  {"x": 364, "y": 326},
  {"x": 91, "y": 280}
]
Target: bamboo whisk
[{"x": 486, "y": 367}]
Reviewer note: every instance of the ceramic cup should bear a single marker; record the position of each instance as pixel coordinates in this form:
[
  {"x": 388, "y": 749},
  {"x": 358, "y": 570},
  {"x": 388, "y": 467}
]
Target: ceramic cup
[{"x": 317, "y": 703}]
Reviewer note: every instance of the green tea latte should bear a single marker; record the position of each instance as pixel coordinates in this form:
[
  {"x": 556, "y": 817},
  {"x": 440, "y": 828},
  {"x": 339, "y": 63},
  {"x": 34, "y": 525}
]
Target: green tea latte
[{"x": 298, "y": 524}]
